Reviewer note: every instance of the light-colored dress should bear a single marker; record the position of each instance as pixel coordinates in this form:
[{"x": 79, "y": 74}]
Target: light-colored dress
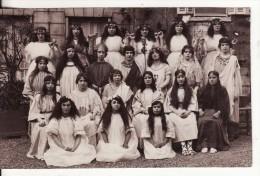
[
  {"x": 150, "y": 152},
  {"x": 40, "y": 108},
  {"x": 114, "y": 151},
  {"x": 141, "y": 102},
  {"x": 193, "y": 71},
  {"x": 185, "y": 129},
  {"x": 176, "y": 45},
  {"x": 159, "y": 73},
  {"x": 33, "y": 87},
  {"x": 66, "y": 84},
  {"x": 230, "y": 78},
  {"x": 140, "y": 58},
  {"x": 110, "y": 90},
  {"x": 67, "y": 129},
  {"x": 35, "y": 49},
  {"x": 114, "y": 45},
  {"x": 90, "y": 100}
]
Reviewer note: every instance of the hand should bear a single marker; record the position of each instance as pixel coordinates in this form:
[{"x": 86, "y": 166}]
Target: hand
[
  {"x": 92, "y": 117},
  {"x": 92, "y": 37},
  {"x": 125, "y": 145},
  {"x": 132, "y": 36},
  {"x": 161, "y": 34},
  {"x": 216, "y": 115},
  {"x": 201, "y": 113},
  {"x": 156, "y": 35},
  {"x": 67, "y": 149},
  {"x": 159, "y": 89},
  {"x": 160, "y": 145},
  {"x": 185, "y": 114},
  {"x": 82, "y": 111}
]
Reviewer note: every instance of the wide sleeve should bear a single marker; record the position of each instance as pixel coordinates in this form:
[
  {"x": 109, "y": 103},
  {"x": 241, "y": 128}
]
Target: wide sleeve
[
  {"x": 167, "y": 102},
  {"x": 105, "y": 95},
  {"x": 27, "y": 90},
  {"x": 130, "y": 128},
  {"x": 145, "y": 133},
  {"x": 193, "y": 106},
  {"x": 198, "y": 74},
  {"x": 53, "y": 127},
  {"x": 137, "y": 103},
  {"x": 35, "y": 109},
  {"x": 238, "y": 80},
  {"x": 78, "y": 128},
  {"x": 97, "y": 103},
  {"x": 170, "y": 133}
]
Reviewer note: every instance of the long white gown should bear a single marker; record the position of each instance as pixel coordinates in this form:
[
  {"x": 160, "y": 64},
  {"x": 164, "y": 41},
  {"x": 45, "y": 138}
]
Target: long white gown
[
  {"x": 150, "y": 152},
  {"x": 114, "y": 150},
  {"x": 67, "y": 129}
]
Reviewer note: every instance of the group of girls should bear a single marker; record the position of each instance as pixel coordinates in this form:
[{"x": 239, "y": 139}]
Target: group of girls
[{"x": 171, "y": 104}]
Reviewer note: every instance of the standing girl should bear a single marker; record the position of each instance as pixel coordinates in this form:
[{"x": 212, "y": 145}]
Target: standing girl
[
  {"x": 181, "y": 101},
  {"x": 112, "y": 37},
  {"x": 118, "y": 139},
  {"x": 34, "y": 83},
  {"x": 78, "y": 40},
  {"x": 160, "y": 69},
  {"x": 157, "y": 133},
  {"x": 39, "y": 114},
  {"x": 66, "y": 137},
  {"x": 41, "y": 45},
  {"x": 144, "y": 41},
  {"x": 142, "y": 101},
  {"x": 175, "y": 41},
  {"x": 117, "y": 88},
  {"x": 67, "y": 70}
]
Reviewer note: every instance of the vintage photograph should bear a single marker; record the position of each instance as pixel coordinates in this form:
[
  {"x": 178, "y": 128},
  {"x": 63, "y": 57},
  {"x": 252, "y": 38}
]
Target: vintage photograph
[{"x": 121, "y": 87}]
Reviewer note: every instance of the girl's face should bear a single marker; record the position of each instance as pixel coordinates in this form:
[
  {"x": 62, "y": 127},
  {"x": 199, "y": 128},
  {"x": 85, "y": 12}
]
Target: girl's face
[
  {"x": 144, "y": 31},
  {"x": 82, "y": 84},
  {"x": 155, "y": 55},
  {"x": 115, "y": 105},
  {"x": 157, "y": 109},
  {"x": 75, "y": 32},
  {"x": 179, "y": 28},
  {"x": 42, "y": 65},
  {"x": 129, "y": 55},
  {"x": 216, "y": 27},
  {"x": 180, "y": 79},
  {"x": 41, "y": 37},
  {"x": 101, "y": 53},
  {"x": 50, "y": 85},
  {"x": 187, "y": 54},
  {"x": 224, "y": 47},
  {"x": 117, "y": 78},
  {"x": 70, "y": 52},
  {"x": 148, "y": 79},
  {"x": 111, "y": 30},
  {"x": 213, "y": 79},
  {"x": 65, "y": 107}
]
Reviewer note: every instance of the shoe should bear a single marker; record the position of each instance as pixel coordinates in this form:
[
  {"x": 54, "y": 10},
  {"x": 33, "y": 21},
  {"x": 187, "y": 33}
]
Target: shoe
[
  {"x": 212, "y": 150},
  {"x": 204, "y": 150},
  {"x": 189, "y": 148},
  {"x": 185, "y": 152}
]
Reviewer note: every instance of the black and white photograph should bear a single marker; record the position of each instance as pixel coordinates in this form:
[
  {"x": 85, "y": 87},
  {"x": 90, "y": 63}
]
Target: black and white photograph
[{"x": 138, "y": 87}]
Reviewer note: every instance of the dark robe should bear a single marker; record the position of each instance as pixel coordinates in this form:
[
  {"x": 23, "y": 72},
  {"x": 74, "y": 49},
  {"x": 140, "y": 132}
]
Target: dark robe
[{"x": 134, "y": 78}]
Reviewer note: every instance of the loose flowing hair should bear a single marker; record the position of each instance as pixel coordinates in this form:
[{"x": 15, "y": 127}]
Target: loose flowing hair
[
  {"x": 161, "y": 56},
  {"x": 143, "y": 86},
  {"x": 187, "y": 91},
  {"x": 222, "y": 31},
  {"x": 82, "y": 41},
  {"x": 106, "y": 117},
  {"x": 57, "y": 111},
  {"x": 105, "y": 33},
  {"x": 152, "y": 116},
  {"x": 150, "y": 35},
  {"x": 45, "y": 90}
]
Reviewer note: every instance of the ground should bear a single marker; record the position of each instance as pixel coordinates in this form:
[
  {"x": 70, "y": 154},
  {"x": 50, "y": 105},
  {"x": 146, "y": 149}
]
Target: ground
[{"x": 13, "y": 155}]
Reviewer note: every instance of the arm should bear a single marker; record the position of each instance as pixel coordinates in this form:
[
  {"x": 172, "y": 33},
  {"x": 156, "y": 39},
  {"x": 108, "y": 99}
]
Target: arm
[
  {"x": 77, "y": 142},
  {"x": 165, "y": 141},
  {"x": 59, "y": 143},
  {"x": 104, "y": 136},
  {"x": 166, "y": 82},
  {"x": 127, "y": 138}
]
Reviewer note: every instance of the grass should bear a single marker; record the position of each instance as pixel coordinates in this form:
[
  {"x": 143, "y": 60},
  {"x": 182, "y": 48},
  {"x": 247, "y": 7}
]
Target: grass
[{"x": 13, "y": 156}]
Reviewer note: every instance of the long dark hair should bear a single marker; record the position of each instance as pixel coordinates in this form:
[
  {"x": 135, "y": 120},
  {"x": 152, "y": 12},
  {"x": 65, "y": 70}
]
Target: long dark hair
[
  {"x": 105, "y": 33},
  {"x": 150, "y": 35},
  {"x": 161, "y": 56},
  {"x": 172, "y": 32},
  {"x": 36, "y": 70},
  {"x": 106, "y": 117},
  {"x": 45, "y": 90},
  {"x": 82, "y": 41},
  {"x": 222, "y": 31},
  {"x": 187, "y": 89},
  {"x": 152, "y": 115},
  {"x": 63, "y": 62},
  {"x": 57, "y": 111},
  {"x": 142, "y": 85}
]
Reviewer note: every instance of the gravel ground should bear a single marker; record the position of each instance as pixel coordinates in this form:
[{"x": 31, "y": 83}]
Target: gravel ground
[{"x": 13, "y": 156}]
